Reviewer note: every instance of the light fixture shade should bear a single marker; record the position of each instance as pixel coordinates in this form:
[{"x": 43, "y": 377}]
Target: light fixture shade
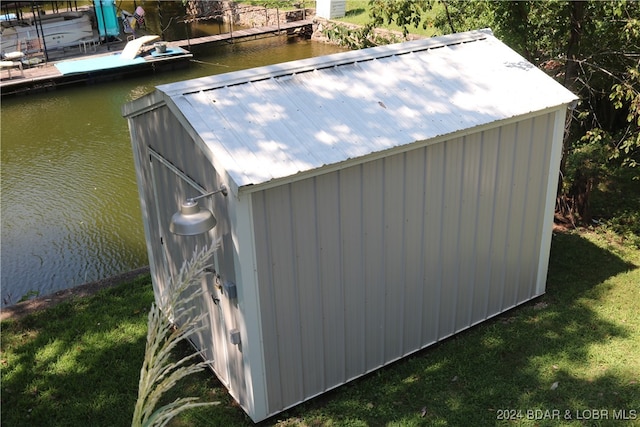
[{"x": 191, "y": 220}]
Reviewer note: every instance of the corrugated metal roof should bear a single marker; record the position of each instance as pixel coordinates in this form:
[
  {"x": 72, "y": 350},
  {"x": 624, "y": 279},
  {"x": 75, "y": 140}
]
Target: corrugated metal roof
[{"x": 273, "y": 122}]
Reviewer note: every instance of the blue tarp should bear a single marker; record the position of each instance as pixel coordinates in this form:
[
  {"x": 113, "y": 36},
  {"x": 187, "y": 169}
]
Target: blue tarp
[{"x": 96, "y": 64}]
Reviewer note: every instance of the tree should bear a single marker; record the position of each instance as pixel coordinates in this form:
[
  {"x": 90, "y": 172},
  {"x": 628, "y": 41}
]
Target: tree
[{"x": 593, "y": 48}]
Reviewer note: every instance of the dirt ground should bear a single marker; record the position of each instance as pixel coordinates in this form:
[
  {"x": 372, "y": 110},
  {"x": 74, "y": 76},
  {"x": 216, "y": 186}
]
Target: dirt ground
[{"x": 21, "y": 309}]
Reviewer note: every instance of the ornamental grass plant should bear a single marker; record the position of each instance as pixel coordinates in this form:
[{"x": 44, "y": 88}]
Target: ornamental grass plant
[{"x": 169, "y": 324}]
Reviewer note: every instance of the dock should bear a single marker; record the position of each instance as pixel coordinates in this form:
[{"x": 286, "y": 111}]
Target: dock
[
  {"x": 77, "y": 67},
  {"x": 292, "y": 27},
  {"x": 48, "y": 76}
]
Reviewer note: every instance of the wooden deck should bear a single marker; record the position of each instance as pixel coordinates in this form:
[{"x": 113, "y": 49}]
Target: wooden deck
[
  {"x": 47, "y": 77},
  {"x": 255, "y": 32}
]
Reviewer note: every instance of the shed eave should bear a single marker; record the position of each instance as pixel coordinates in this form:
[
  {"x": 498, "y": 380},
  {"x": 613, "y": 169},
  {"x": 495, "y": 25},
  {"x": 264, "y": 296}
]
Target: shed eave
[
  {"x": 251, "y": 187},
  {"x": 146, "y": 103}
]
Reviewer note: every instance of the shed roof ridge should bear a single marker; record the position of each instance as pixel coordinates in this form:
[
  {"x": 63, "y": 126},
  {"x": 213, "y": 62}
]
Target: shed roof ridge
[{"x": 275, "y": 71}]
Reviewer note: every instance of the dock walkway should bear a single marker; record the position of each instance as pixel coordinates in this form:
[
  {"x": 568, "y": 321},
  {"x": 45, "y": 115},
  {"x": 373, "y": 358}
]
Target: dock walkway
[
  {"x": 47, "y": 77},
  {"x": 255, "y": 32}
]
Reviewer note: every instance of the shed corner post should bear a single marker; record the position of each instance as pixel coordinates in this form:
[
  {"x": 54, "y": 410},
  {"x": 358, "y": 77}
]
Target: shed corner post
[
  {"x": 249, "y": 323},
  {"x": 144, "y": 181},
  {"x": 552, "y": 186}
]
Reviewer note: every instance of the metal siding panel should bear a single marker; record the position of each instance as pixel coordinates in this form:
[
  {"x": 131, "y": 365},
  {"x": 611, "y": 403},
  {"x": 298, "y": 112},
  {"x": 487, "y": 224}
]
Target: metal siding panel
[
  {"x": 515, "y": 224},
  {"x": 414, "y": 237},
  {"x": 469, "y": 169},
  {"x": 308, "y": 274},
  {"x": 171, "y": 188},
  {"x": 351, "y": 214},
  {"x": 144, "y": 176},
  {"x": 374, "y": 252},
  {"x": 535, "y": 204},
  {"x": 267, "y": 303},
  {"x": 330, "y": 235},
  {"x": 241, "y": 217},
  {"x": 394, "y": 255},
  {"x": 502, "y": 198},
  {"x": 433, "y": 256},
  {"x": 285, "y": 292},
  {"x": 169, "y": 162},
  {"x": 531, "y": 205},
  {"x": 485, "y": 212},
  {"x": 451, "y": 236},
  {"x": 162, "y": 132}
]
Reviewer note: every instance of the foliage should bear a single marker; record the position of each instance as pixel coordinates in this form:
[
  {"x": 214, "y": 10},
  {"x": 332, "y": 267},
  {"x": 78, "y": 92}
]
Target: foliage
[
  {"x": 357, "y": 38},
  {"x": 169, "y": 325},
  {"x": 402, "y": 13},
  {"x": 29, "y": 295},
  {"x": 357, "y": 12},
  {"x": 276, "y": 4},
  {"x": 360, "y": 29},
  {"x": 627, "y": 142}
]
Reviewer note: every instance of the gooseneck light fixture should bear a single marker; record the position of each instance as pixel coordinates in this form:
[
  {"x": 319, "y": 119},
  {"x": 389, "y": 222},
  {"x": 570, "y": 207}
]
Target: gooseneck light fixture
[{"x": 190, "y": 220}]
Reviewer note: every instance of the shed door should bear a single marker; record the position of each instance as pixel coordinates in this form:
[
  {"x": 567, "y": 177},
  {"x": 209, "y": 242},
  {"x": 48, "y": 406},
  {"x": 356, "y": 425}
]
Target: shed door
[{"x": 170, "y": 187}]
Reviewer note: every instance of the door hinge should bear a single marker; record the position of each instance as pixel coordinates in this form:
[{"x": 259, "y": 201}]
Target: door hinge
[{"x": 234, "y": 336}]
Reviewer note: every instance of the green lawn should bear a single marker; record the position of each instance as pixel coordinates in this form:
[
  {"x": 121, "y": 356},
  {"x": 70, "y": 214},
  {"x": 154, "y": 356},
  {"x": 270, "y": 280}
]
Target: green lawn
[
  {"x": 357, "y": 12},
  {"x": 575, "y": 349}
]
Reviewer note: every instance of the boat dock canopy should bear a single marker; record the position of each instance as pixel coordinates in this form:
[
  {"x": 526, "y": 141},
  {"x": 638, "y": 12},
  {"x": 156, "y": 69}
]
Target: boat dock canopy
[{"x": 275, "y": 121}]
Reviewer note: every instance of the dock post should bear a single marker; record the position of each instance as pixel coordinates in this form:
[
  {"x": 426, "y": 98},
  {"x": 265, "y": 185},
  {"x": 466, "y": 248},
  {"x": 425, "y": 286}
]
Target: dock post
[{"x": 160, "y": 18}]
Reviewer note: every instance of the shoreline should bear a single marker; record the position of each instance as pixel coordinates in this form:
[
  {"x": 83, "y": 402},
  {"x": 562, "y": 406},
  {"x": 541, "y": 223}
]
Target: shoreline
[{"x": 21, "y": 309}]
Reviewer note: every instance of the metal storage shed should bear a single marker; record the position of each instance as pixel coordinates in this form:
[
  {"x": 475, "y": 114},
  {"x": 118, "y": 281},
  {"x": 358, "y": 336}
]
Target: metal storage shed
[{"x": 379, "y": 201}]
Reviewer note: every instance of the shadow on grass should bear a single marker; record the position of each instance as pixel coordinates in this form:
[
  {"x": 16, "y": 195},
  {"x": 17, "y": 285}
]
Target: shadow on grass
[
  {"x": 508, "y": 363},
  {"x": 73, "y": 364},
  {"x": 354, "y": 12},
  {"x": 78, "y": 364}
]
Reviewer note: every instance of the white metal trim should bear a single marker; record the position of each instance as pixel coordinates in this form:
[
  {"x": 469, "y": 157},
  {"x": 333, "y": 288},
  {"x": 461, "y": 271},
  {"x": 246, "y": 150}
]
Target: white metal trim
[
  {"x": 552, "y": 188},
  {"x": 176, "y": 171},
  {"x": 249, "y": 323},
  {"x": 143, "y": 105},
  {"x": 140, "y": 162}
]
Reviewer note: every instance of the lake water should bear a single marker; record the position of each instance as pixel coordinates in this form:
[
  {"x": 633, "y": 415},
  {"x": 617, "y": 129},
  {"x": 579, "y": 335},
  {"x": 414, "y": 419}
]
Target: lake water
[{"x": 69, "y": 202}]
